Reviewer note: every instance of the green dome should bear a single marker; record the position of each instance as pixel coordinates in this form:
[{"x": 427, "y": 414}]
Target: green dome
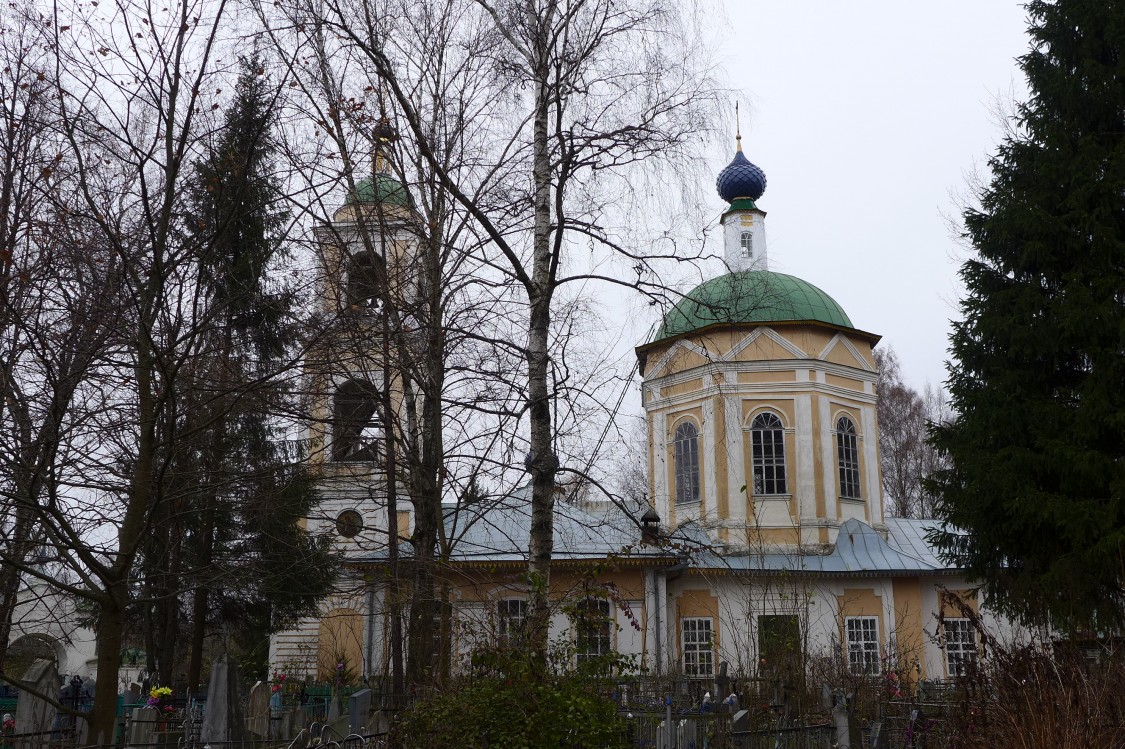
[
  {"x": 382, "y": 188},
  {"x": 749, "y": 297}
]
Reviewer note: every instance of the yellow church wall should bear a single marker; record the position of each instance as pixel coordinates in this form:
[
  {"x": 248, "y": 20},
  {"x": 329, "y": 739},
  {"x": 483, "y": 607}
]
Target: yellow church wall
[
  {"x": 866, "y": 351},
  {"x": 482, "y": 583},
  {"x": 773, "y": 536},
  {"x": 841, "y": 355},
  {"x": 808, "y": 338},
  {"x": 951, "y": 609},
  {"x": 718, "y": 431},
  {"x": 339, "y": 640},
  {"x": 818, "y": 459},
  {"x": 681, "y": 387},
  {"x": 763, "y": 348},
  {"x": 844, "y": 382},
  {"x": 910, "y": 638},
  {"x": 682, "y": 360},
  {"x": 767, "y": 376}
]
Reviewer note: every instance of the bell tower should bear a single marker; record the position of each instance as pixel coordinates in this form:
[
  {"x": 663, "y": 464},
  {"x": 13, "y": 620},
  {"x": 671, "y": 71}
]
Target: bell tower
[{"x": 367, "y": 279}]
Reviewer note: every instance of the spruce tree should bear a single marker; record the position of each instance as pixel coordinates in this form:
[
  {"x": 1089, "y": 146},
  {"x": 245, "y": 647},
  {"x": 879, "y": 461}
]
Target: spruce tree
[
  {"x": 236, "y": 492},
  {"x": 1035, "y": 497}
]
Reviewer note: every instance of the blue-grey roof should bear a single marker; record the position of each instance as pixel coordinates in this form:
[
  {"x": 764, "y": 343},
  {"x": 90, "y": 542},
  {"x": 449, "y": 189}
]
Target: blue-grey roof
[
  {"x": 499, "y": 531},
  {"x": 859, "y": 550}
]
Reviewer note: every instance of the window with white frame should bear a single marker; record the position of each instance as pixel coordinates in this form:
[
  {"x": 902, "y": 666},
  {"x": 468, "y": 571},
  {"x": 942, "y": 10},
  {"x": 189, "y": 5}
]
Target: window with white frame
[
  {"x": 592, "y": 629},
  {"x": 698, "y": 646},
  {"x": 511, "y": 620},
  {"x": 847, "y": 452},
  {"x": 863, "y": 644},
  {"x": 747, "y": 244},
  {"x": 960, "y": 646},
  {"x": 767, "y": 454},
  {"x": 686, "y": 455}
]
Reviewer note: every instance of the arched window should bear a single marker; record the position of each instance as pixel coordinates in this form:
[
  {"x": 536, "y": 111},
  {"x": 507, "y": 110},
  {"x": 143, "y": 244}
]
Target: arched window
[
  {"x": 363, "y": 279},
  {"x": 767, "y": 443},
  {"x": 357, "y": 432},
  {"x": 847, "y": 455},
  {"x": 687, "y": 463},
  {"x": 747, "y": 242}
]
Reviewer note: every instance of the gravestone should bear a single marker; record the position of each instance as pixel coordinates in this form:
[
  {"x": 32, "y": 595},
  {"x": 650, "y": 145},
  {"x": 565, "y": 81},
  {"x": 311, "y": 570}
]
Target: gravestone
[
  {"x": 79, "y": 695},
  {"x": 258, "y": 709},
  {"x": 722, "y": 681},
  {"x": 142, "y": 726},
  {"x": 35, "y": 715},
  {"x": 222, "y": 720},
  {"x": 877, "y": 739},
  {"x": 359, "y": 708},
  {"x": 740, "y": 721},
  {"x": 132, "y": 695}
]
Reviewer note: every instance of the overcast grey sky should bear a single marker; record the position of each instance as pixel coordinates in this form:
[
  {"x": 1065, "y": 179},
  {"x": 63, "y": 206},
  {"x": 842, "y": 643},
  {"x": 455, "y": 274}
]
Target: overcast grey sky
[{"x": 867, "y": 118}]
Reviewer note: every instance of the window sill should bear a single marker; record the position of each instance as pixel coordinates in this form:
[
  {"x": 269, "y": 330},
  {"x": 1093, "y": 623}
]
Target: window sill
[
  {"x": 786, "y": 497},
  {"x": 854, "y": 500}
]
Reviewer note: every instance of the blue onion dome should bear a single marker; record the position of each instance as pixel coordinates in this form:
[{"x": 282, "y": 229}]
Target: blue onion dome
[{"x": 741, "y": 179}]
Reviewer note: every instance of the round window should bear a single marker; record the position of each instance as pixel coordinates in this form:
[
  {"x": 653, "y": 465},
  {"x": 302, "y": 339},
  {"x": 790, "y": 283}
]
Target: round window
[{"x": 349, "y": 523}]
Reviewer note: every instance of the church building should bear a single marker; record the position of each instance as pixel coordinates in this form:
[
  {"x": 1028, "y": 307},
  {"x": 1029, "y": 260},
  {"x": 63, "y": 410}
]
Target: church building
[{"x": 767, "y": 540}]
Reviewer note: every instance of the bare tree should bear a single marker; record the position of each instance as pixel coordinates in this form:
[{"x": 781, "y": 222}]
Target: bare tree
[
  {"x": 104, "y": 317},
  {"x": 577, "y": 96},
  {"x": 905, "y": 457}
]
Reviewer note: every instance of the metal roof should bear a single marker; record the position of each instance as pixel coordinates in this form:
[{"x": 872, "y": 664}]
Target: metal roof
[
  {"x": 755, "y": 296},
  {"x": 860, "y": 550},
  {"x": 498, "y": 531}
]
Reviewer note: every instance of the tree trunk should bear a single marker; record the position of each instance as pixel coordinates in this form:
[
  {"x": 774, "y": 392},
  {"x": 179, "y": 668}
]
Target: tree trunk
[
  {"x": 543, "y": 462},
  {"x": 110, "y": 631},
  {"x": 426, "y": 667},
  {"x": 21, "y": 548},
  {"x": 397, "y": 675},
  {"x": 199, "y": 603}
]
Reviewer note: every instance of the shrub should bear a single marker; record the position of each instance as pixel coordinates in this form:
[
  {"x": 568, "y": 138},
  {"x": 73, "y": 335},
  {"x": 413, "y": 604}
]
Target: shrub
[{"x": 511, "y": 701}]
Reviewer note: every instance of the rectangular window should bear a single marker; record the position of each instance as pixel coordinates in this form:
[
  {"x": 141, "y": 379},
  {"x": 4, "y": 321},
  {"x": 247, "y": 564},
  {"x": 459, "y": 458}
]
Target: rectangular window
[
  {"x": 960, "y": 646},
  {"x": 511, "y": 620},
  {"x": 863, "y": 644},
  {"x": 698, "y": 646},
  {"x": 592, "y": 629}
]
